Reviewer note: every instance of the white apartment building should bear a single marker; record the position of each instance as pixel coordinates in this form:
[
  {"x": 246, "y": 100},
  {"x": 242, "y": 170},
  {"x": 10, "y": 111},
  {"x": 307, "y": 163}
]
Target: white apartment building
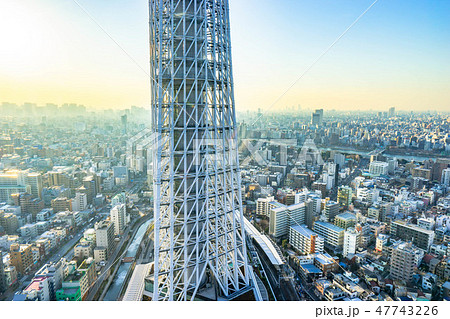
[
  {"x": 264, "y": 205},
  {"x": 119, "y": 218},
  {"x": 377, "y": 168},
  {"x": 79, "y": 203},
  {"x": 282, "y": 217},
  {"x": 350, "y": 242},
  {"x": 332, "y": 234},
  {"x": 305, "y": 240}
]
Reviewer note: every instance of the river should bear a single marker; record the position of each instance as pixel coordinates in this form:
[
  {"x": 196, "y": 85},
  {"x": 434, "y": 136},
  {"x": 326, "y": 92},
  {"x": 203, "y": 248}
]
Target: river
[
  {"x": 366, "y": 153},
  {"x": 117, "y": 283}
]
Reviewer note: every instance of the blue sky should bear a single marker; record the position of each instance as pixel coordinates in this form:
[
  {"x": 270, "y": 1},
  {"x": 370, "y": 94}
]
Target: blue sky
[{"x": 397, "y": 55}]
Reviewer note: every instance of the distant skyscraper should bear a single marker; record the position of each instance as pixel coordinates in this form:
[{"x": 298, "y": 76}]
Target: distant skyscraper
[
  {"x": 392, "y": 112},
  {"x": 199, "y": 234},
  {"x": 124, "y": 121},
  {"x": 317, "y": 117}
]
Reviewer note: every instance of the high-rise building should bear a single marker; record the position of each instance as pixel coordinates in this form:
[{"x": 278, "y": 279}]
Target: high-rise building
[
  {"x": 21, "y": 258},
  {"x": 61, "y": 204},
  {"x": 331, "y": 210},
  {"x": 282, "y": 217},
  {"x": 350, "y": 242},
  {"x": 377, "y": 168},
  {"x": 264, "y": 205},
  {"x": 305, "y": 240},
  {"x": 339, "y": 159},
  {"x": 119, "y": 218},
  {"x": 120, "y": 175},
  {"x": 345, "y": 220},
  {"x": 345, "y": 194},
  {"x": 445, "y": 179},
  {"x": 317, "y": 117},
  {"x": 392, "y": 112},
  {"x": 34, "y": 181},
  {"x": 79, "y": 203},
  {"x": 199, "y": 234},
  {"x": 420, "y": 237},
  {"x": 332, "y": 234},
  {"x": 91, "y": 188},
  {"x": 104, "y": 236},
  {"x": 11, "y": 182},
  {"x": 403, "y": 262},
  {"x": 9, "y": 222}
]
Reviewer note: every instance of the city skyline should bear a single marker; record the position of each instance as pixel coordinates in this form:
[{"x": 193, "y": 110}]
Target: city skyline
[{"x": 394, "y": 56}]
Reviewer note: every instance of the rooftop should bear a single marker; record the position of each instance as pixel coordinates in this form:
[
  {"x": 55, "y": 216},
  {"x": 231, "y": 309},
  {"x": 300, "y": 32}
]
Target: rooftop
[
  {"x": 346, "y": 216},
  {"x": 412, "y": 226},
  {"x": 304, "y": 230},
  {"x": 329, "y": 226},
  {"x": 264, "y": 243},
  {"x": 311, "y": 269}
]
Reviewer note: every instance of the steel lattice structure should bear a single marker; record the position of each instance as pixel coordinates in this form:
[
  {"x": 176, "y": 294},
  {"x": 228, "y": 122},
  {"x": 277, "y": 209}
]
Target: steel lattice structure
[{"x": 199, "y": 234}]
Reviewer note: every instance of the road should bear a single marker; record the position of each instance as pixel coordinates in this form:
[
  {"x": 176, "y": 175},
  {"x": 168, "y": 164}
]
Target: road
[{"x": 65, "y": 251}]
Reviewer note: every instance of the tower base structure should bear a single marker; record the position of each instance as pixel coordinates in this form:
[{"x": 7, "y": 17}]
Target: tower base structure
[{"x": 210, "y": 290}]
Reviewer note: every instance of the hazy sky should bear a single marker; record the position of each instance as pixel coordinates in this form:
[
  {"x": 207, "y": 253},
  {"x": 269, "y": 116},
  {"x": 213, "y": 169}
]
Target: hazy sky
[{"x": 397, "y": 55}]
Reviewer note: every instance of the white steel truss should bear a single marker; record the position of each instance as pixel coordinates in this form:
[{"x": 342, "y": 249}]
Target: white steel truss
[{"x": 199, "y": 234}]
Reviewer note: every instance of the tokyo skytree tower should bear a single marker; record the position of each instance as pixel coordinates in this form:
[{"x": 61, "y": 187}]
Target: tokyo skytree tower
[{"x": 199, "y": 236}]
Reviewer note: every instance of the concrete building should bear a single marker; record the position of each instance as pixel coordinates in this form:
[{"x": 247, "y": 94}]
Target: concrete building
[
  {"x": 11, "y": 182},
  {"x": 422, "y": 238},
  {"x": 282, "y": 217},
  {"x": 80, "y": 202},
  {"x": 333, "y": 235},
  {"x": 119, "y": 218},
  {"x": 77, "y": 282},
  {"x": 345, "y": 220},
  {"x": 61, "y": 204},
  {"x": 100, "y": 254},
  {"x": 445, "y": 179},
  {"x": 345, "y": 195},
  {"x": 373, "y": 212},
  {"x": 403, "y": 262},
  {"x": 305, "y": 240},
  {"x": 331, "y": 210},
  {"x": 264, "y": 205},
  {"x": 55, "y": 273},
  {"x": 350, "y": 242},
  {"x": 9, "y": 222},
  {"x": 104, "y": 234},
  {"x": 38, "y": 290},
  {"x": 426, "y": 223},
  {"x": 382, "y": 240},
  {"x": 21, "y": 257},
  {"x": 83, "y": 250},
  {"x": 377, "y": 168},
  {"x": 34, "y": 182}
]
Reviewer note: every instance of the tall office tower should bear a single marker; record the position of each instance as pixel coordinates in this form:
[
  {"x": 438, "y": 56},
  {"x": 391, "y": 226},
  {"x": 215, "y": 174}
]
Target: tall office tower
[
  {"x": 317, "y": 117},
  {"x": 199, "y": 234},
  {"x": 392, "y": 112}
]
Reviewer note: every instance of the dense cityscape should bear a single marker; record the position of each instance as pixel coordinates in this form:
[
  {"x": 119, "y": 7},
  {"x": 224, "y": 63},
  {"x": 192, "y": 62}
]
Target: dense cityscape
[
  {"x": 218, "y": 150},
  {"x": 337, "y": 206}
]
